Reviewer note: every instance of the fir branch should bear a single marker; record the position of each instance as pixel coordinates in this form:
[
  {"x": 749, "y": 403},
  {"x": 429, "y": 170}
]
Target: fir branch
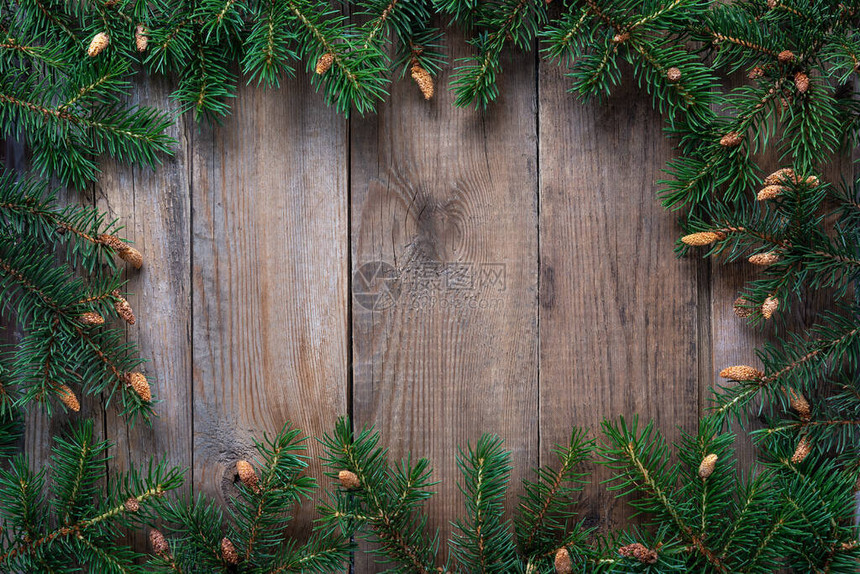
[{"x": 482, "y": 541}]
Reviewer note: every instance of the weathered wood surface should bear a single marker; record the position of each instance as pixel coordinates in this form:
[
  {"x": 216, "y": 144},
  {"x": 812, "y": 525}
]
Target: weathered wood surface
[
  {"x": 155, "y": 209},
  {"x": 436, "y": 272},
  {"x": 269, "y": 236},
  {"x": 448, "y": 199},
  {"x": 619, "y": 313}
]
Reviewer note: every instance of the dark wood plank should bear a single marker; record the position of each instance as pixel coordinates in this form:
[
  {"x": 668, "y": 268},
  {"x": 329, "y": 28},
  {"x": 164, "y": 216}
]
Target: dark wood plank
[
  {"x": 269, "y": 273},
  {"x": 618, "y": 312},
  {"x": 155, "y": 209},
  {"x": 446, "y": 199}
]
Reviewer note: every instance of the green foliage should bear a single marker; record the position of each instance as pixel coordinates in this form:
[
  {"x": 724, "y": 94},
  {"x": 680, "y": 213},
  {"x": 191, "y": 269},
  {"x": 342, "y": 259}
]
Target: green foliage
[
  {"x": 700, "y": 512},
  {"x": 71, "y": 520},
  {"x": 254, "y": 523},
  {"x": 386, "y": 506},
  {"x": 547, "y": 504},
  {"x": 797, "y": 109},
  {"x": 483, "y": 541},
  {"x": 65, "y": 106},
  {"x": 59, "y": 353}
]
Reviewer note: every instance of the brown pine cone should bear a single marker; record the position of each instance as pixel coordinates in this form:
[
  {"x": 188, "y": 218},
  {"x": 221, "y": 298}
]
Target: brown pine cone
[
  {"x": 97, "y": 45},
  {"x": 228, "y": 552}
]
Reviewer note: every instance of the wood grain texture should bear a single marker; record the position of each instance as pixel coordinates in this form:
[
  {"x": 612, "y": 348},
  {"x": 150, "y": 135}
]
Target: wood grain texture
[
  {"x": 618, "y": 313},
  {"x": 447, "y": 198},
  {"x": 269, "y": 275},
  {"x": 155, "y": 209},
  {"x": 734, "y": 341}
]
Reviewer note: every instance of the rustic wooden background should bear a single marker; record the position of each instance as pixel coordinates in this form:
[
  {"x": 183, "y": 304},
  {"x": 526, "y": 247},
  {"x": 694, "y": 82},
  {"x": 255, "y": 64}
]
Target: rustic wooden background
[{"x": 537, "y": 285}]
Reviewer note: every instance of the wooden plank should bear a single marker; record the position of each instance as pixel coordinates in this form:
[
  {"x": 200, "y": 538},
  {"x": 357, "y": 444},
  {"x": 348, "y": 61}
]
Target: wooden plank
[
  {"x": 618, "y": 312},
  {"x": 270, "y": 242},
  {"x": 155, "y": 209},
  {"x": 445, "y": 198},
  {"x": 734, "y": 342}
]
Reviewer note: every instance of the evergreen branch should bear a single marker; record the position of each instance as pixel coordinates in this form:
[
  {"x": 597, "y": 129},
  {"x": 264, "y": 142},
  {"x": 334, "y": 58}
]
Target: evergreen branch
[
  {"x": 483, "y": 542},
  {"x": 376, "y": 25},
  {"x": 544, "y": 508},
  {"x": 766, "y": 540},
  {"x": 595, "y": 9},
  {"x": 79, "y": 527},
  {"x": 740, "y": 42},
  {"x": 400, "y": 534},
  {"x": 657, "y": 14},
  {"x": 19, "y": 277}
]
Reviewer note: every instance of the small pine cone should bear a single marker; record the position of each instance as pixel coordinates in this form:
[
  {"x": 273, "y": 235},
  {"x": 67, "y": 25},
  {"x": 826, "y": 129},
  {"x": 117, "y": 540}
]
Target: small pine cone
[
  {"x": 755, "y": 73},
  {"x": 141, "y": 38},
  {"x": 228, "y": 552},
  {"x": 159, "y": 543},
  {"x": 563, "y": 563},
  {"x": 349, "y": 480},
  {"x": 802, "y": 451},
  {"x": 68, "y": 398},
  {"x": 124, "y": 310},
  {"x": 621, "y": 38},
  {"x": 812, "y": 181},
  {"x": 673, "y": 74},
  {"x": 731, "y": 139},
  {"x": 771, "y": 4},
  {"x": 741, "y": 373},
  {"x": 770, "y": 192},
  {"x": 801, "y": 82},
  {"x": 424, "y": 80},
  {"x": 113, "y": 242},
  {"x": 764, "y": 259},
  {"x": 769, "y": 307},
  {"x": 707, "y": 466},
  {"x": 742, "y": 308},
  {"x": 91, "y": 318},
  {"x": 99, "y": 42},
  {"x": 248, "y": 475},
  {"x": 848, "y": 545},
  {"x": 324, "y": 63},
  {"x": 639, "y": 552},
  {"x": 799, "y": 404},
  {"x": 133, "y": 256},
  {"x": 137, "y": 381},
  {"x": 122, "y": 249},
  {"x": 131, "y": 505},
  {"x": 780, "y": 176},
  {"x": 702, "y": 238},
  {"x": 785, "y": 57}
]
